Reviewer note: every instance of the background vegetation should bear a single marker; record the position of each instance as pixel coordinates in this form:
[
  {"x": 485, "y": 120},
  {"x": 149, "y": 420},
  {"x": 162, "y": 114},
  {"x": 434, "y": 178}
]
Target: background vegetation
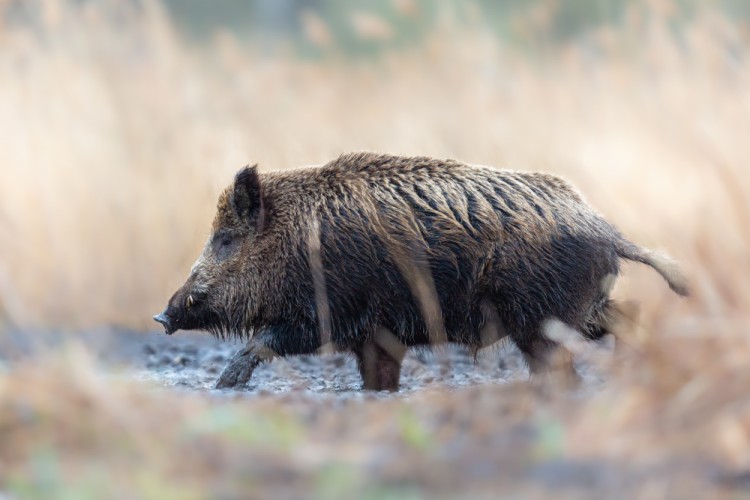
[{"x": 122, "y": 120}]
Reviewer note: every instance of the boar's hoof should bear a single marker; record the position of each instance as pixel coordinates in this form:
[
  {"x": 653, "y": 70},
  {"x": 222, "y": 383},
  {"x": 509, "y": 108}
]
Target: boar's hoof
[
  {"x": 238, "y": 372},
  {"x": 234, "y": 377}
]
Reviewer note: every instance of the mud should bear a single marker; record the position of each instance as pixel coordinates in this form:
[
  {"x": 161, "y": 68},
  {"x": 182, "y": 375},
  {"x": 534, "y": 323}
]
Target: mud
[
  {"x": 472, "y": 438},
  {"x": 193, "y": 361}
]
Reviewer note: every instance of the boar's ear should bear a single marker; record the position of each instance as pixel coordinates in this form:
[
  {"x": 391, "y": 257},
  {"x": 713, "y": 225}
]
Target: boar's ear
[{"x": 247, "y": 199}]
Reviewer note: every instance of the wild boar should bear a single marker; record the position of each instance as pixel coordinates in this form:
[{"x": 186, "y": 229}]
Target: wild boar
[{"x": 372, "y": 254}]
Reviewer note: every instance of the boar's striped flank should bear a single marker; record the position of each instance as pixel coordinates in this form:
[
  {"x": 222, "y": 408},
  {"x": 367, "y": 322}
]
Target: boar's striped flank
[{"x": 373, "y": 253}]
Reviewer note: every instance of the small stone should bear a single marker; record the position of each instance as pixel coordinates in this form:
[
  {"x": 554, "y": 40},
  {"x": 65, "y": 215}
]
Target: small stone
[{"x": 182, "y": 360}]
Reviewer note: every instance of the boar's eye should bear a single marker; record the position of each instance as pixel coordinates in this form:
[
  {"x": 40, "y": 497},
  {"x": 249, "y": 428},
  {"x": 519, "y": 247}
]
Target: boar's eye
[
  {"x": 225, "y": 240},
  {"x": 223, "y": 244}
]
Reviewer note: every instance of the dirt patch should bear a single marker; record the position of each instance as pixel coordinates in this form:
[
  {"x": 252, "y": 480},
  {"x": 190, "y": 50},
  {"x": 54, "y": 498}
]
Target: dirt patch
[{"x": 193, "y": 361}]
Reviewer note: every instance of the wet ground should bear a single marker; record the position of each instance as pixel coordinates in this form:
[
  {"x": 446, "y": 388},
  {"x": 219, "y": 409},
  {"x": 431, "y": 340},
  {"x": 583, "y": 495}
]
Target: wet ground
[
  {"x": 193, "y": 361},
  {"x": 457, "y": 425}
]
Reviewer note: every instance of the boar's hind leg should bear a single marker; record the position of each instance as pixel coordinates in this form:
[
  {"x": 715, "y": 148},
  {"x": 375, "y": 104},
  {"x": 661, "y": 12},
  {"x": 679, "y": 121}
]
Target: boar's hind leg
[
  {"x": 240, "y": 368},
  {"x": 547, "y": 359},
  {"x": 379, "y": 361}
]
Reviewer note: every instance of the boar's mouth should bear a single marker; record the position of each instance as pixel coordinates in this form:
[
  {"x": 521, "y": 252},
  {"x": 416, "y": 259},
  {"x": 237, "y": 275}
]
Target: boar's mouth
[{"x": 164, "y": 320}]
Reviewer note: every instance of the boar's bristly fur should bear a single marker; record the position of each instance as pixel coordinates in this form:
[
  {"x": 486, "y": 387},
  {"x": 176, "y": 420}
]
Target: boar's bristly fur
[{"x": 373, "y": 253}]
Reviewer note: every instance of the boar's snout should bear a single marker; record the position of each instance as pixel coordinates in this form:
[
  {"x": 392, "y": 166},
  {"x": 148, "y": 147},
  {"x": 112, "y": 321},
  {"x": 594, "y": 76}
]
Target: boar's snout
[
  {"x": 186, "y": 311},
  {"x": 164, "y": 320}
]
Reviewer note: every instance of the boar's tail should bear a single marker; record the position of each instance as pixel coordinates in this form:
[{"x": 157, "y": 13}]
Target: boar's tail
[{"x": 664, "y": 265}]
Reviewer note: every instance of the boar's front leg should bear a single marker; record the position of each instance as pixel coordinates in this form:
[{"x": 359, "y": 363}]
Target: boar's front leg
[{"x": 240, "y": 368}]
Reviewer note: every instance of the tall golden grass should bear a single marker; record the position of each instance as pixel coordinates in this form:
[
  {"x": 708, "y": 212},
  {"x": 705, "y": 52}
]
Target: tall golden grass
[{"x": 117, "y": 136}]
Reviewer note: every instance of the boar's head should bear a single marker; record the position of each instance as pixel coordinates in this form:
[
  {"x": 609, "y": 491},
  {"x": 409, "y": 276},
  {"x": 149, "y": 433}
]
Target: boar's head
[{"x": 218, "y": 294}]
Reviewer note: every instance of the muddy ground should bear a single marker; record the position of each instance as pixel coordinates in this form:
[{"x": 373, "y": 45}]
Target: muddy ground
[
  {"x": 193, "y": 361},
  {"x": 463, "y": 426}
]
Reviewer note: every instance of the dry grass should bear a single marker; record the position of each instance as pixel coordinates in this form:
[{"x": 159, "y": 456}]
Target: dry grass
[{"x": 117, "y": 139}]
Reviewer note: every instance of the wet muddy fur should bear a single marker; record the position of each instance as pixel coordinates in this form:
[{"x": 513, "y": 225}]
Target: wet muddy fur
[{"x": 373, "y": 254}]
